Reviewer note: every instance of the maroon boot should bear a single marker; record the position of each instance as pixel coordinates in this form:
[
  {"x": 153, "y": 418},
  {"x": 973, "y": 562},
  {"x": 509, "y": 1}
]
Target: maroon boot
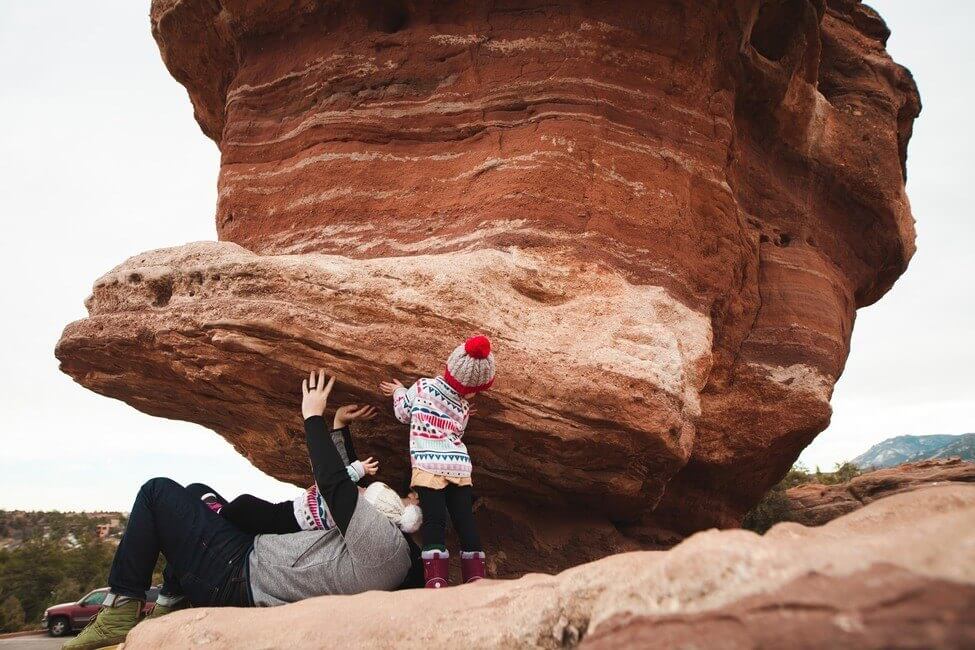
[
  {"x": 436, "y": 568},
  {"x": 471, "y": 565}
]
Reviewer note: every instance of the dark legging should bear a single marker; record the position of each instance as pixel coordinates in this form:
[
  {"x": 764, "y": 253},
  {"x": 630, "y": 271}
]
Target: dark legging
[
  {"x": 205, "y": 554},
  {"x": 253, "y": 515},
  {"x": 458, "y": 500}
]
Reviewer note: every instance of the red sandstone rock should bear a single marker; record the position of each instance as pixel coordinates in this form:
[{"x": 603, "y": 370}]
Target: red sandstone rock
[
  {"x": 880, "y": 608},
  {"x": 898, "y": 573},
  {"x": 664, "y": 214},
  {"x": 813, "y": 504}
]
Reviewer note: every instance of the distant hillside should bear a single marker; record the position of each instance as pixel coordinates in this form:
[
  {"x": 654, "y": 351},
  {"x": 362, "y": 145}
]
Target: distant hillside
[
  {"x": 909, "y": 449},
  {"x": 67, "y": 528}
]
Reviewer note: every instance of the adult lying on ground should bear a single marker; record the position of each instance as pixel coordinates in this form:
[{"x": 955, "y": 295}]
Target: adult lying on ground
[{"x": 210, "y": 562}]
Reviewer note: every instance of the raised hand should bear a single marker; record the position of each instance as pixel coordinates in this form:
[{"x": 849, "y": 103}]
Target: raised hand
[
  {"x": 389, "y": 387},
  {"x": 351, "y": 413},
  {"x": 371, "y": 466},
  {"x": 314, "y": 394}
]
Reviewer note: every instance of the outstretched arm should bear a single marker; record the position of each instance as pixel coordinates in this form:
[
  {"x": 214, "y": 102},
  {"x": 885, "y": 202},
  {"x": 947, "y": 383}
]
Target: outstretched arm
[
  {"x": 334, "y": 484},
  {"x": 403, "y": 399},
  {"x": 342, "y": 438}
]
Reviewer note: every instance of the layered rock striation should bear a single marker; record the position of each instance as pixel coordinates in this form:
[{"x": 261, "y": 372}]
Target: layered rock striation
[{"x": 664, "y": 214}]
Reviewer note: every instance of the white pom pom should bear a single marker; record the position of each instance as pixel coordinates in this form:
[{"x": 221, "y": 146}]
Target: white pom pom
[{"x": 411, "y": 519}]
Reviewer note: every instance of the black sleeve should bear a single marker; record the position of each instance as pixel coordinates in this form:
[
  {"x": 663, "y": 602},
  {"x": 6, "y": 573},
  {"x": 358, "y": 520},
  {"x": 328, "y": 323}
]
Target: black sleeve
[
  {"x": 260, "y": 517},
  {"x": 349, "y": 447},
  {"x": 333, "y": 481}
]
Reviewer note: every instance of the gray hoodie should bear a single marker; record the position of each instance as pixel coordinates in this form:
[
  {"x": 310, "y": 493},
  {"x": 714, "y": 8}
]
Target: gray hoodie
[{"x": 371, "y": 555}]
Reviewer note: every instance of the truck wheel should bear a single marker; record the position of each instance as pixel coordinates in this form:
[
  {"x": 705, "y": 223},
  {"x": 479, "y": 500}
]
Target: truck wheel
[{"x": 58, "y": 626}]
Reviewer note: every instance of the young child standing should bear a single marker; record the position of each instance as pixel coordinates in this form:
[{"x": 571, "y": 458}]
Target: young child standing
[{"x": 437, "y": 410}]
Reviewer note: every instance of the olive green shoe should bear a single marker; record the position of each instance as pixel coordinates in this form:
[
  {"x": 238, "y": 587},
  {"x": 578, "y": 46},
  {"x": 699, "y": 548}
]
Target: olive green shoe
[
  {"x": 161, "y": 610},
  {"x": 108, "y": 628}
]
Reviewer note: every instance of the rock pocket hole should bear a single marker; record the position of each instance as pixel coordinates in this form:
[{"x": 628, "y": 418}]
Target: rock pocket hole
[
  {"x": 162, "y": 291},
  {"x": 389, "y": 16},
  {"x": 776, "y": 27}
]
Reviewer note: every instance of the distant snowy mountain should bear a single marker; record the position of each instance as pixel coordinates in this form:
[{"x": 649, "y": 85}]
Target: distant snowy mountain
[{"x": 908, "y": 449}]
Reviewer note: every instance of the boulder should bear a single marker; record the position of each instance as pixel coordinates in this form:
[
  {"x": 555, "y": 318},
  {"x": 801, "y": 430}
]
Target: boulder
[
  {"x": 664, "y": 214},
  {"x": 899, "y": 572}
]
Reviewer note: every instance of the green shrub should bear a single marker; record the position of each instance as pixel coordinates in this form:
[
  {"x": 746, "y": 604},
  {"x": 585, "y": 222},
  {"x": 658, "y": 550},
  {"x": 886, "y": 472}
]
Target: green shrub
[
  {"x": 774, "y": 506},
  {"x": 11, "y": 615}
]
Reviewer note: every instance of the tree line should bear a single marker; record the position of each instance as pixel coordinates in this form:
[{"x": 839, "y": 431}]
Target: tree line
[{"x": 49, "y": 558}]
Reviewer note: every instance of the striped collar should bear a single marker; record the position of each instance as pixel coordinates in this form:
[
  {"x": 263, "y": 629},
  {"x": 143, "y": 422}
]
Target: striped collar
[{"x": 450, "y": 390}]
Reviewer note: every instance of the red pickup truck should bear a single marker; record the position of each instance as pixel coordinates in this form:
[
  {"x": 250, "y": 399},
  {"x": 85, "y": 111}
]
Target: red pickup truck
[{"x": 67, "y": 617}]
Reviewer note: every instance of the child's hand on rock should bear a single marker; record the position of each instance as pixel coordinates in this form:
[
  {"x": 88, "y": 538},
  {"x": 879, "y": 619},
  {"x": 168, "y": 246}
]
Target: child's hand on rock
[
  {"x": 389, "y": 387},
  {"x": 351, "y": 413},
  {"x": 371, "y": 466}
]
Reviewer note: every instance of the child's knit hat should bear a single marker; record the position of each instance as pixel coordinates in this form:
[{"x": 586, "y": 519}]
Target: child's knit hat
[
  {"x": 470, "y": 367},
  {"x": 386, "y": 501}
]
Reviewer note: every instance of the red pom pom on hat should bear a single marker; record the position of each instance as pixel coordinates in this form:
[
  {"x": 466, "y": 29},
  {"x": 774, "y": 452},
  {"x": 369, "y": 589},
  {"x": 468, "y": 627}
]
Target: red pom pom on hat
[{"x": 478, "y": 347}]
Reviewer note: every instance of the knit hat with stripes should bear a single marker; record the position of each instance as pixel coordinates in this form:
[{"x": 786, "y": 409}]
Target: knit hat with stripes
[{"x": 470, "y": 367}]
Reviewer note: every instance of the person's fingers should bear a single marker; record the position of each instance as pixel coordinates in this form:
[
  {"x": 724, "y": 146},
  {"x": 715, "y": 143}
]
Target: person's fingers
[
  {"x": 311, "y": 378},
  {"x": 328, "y": 386},
  {"x": 304, "y": 388}
]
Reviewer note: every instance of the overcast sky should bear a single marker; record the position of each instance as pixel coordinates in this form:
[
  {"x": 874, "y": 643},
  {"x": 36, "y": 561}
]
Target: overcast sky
[{"x": 100, "y": 159}]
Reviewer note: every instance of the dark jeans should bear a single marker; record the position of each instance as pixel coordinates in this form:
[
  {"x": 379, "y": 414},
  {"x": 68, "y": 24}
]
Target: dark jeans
[
  {"x": 206, "y": 555},
  {"x": 252, "y": 514},
  {"x": 459, "y": 501}
]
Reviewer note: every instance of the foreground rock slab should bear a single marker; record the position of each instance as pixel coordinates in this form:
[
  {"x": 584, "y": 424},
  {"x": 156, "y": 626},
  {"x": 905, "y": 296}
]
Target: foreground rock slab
[
  {"x": 664, "y": 214},
  {"x": 879, "y": 608},
  {"x": 920, "y": 545}
]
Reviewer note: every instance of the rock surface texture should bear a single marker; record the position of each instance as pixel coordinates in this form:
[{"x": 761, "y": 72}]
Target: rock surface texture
[
  {"x": 813, "y": 504},
  {"x": 664, "y": 214},
  {"x": 898, "y": 573}
]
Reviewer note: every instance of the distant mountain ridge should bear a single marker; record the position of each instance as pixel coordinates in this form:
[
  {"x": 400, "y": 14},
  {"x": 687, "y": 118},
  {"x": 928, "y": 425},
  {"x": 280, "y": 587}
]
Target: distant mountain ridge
[{"x": 909, "y": 449}]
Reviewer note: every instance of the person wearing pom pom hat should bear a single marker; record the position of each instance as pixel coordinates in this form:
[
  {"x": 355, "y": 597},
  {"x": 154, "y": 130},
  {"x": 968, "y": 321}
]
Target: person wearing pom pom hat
[{"x": 437, "y": 410}]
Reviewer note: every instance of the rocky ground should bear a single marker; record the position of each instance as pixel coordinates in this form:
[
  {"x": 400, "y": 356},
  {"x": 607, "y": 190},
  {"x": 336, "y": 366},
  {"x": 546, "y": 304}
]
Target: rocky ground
[{"x": 899, "y": 572}]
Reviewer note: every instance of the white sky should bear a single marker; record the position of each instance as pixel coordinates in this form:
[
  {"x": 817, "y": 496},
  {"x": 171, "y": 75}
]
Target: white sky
[{"x": 100, "y": 159}]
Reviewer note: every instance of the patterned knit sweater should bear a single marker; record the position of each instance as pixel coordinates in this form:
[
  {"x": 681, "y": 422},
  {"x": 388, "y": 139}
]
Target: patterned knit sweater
[
  {"x": 437, "y": 415},
  {"x": 311, "y": 511}
]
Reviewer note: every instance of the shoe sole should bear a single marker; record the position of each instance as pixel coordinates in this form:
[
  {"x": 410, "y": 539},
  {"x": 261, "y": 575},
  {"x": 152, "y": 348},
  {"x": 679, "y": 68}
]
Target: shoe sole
[{"x": 96, "y": 645}]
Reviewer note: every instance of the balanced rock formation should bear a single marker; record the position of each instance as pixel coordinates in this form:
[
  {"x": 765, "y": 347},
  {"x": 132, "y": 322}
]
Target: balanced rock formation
[
  {"x": 664, "y": 214},
  {"x": 812, "y": 504},
  {"x": 898, "y": 573}
]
